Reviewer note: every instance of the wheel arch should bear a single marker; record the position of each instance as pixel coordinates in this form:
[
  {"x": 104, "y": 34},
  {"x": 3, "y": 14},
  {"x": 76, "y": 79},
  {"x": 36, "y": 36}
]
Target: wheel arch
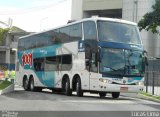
[{"x": 31, "y": 76}]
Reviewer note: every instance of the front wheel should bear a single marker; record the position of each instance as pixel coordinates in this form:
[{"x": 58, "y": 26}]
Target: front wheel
[
  {"x": 115, "y": 94},
  {"x": 102, "y": 94}
]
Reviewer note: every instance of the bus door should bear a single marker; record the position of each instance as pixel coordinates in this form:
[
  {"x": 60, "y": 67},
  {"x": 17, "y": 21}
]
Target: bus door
[
  {"x": 58, "y": 72},
  {"x": 93, "y": 76},
  {"x": 39, "y": 70}
]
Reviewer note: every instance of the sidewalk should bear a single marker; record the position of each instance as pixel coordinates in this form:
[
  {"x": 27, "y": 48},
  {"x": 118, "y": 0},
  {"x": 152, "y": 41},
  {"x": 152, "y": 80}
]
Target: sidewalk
[{"x": 150, "y": 97}]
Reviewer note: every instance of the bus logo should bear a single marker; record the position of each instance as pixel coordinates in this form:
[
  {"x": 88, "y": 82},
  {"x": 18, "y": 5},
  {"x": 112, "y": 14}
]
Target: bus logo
[{"x": 27, "y": 59}]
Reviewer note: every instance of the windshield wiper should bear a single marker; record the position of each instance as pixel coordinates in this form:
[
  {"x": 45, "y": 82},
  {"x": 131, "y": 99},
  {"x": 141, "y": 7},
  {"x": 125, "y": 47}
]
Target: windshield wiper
[
  {"x": 110, "y": 68},
  {"x": 115, "y": 70}
]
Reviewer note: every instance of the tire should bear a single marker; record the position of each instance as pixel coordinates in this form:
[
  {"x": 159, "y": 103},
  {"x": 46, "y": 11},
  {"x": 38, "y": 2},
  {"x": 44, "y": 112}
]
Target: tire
[
  {"x": 38, "y": 89},
  {"x": 102, "y": 94},
  {"x": 25, "y": 84},
  {"x": 78, "y": 88},
  {"x": 67, "y": 90},
  {"x": 115, "y": 94},
  {"x": 31, "y": 84}
]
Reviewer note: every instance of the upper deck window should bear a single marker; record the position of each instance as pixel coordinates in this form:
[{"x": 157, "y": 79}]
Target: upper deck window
[
  {"x": 118, "y": 32},
  {"x": 90, "y": 31}
]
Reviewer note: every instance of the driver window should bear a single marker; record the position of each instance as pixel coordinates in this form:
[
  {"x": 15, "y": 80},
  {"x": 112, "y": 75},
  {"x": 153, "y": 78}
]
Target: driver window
[{"x": 93, "y": 64}]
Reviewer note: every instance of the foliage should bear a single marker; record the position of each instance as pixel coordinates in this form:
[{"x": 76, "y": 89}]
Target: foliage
[
  {"x": 3, "y": 33},
  {"x": 151, "y": 20},
  {"x": 4, "y": 84},
  {"x": 149, "y": 95}
]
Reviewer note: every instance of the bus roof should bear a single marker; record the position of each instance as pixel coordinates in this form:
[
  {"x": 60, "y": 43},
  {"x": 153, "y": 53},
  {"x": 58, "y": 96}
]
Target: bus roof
[{"x": 86, "y": 19}]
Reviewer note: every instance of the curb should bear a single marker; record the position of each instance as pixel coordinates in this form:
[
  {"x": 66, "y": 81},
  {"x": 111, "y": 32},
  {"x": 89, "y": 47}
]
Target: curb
[
  {"x": 141, "y": 96},
  {"x": 8, "y": 89}
]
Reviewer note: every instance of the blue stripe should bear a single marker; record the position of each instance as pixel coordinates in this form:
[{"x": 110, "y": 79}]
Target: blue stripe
[
  {"x": 120, "y": 45},
  {"x": 46, "y": 78}
]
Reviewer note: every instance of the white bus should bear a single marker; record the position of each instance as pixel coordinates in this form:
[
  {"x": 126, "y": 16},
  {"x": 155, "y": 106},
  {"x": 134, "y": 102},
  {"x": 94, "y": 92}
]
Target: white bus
[{"x": 98, "y": 55}]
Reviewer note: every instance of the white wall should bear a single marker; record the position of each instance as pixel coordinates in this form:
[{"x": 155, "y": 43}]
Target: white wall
[
  {"x": 101, "y": 4},
  {"x": 77, "y": 12},
  {"x": 132, "y": 13}
]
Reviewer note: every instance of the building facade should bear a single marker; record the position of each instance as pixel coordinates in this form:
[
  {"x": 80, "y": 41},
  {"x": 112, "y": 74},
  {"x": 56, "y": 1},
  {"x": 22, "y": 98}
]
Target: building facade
[
  {"x": 132, "y": 10},
  {"x": 9, "y": 46}
]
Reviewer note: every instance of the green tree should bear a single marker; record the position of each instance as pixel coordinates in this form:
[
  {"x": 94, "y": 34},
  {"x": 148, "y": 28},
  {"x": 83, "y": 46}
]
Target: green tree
[
  {"x": 3, "y": 33},
  {"x": 151, "y": 20}
]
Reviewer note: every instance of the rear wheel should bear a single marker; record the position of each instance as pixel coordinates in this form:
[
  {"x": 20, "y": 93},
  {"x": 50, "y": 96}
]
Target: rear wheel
[
  {"x": 115, "y": 94},
  {"x": 25, "y": 84},
  {"x": 67, "y": 89},
  {"x": 102, "y": 94},
  {"x": 31, "y": 84},
  {"x": 78, "y": 88}
]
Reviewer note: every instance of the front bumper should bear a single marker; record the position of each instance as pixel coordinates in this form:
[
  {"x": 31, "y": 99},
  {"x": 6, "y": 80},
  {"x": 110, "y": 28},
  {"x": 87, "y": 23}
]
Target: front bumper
[{"x": 120, "y": 88}]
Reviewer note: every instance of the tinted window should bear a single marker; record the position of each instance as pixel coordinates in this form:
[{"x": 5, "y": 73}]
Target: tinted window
[
  {"x": 66, "y": 62},
  {"x": 64, "y": 35},
  {"x": 39, "y": 64},
  {"x": 42, "y": 40},
  {"x": 76, "y": 32},
  {"x": 118, "y": 32},
  {"x": 50, "y": 64},
  {"x": 90, "y": 30},
  {"x": 52, "y": 37},
  {"x": 93, "y": 66}
]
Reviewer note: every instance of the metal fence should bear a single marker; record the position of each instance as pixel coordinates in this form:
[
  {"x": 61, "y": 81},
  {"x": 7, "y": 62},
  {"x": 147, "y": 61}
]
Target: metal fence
[{"x": 152, "y": 77}]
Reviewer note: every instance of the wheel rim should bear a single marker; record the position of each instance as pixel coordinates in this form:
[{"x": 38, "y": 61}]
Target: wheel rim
[
  {"x": 77, "y": 87},
  {"x": 32, "y": 85},
  {"x": 25, "y": 84},
  {"x": 66, "y": 87}
]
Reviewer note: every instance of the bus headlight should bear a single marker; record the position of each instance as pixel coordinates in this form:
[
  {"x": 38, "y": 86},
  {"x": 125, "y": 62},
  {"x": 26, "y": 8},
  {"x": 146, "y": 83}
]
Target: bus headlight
[
  {"x": 140, "y": 83},
  {"x": 105, "y": 80}
]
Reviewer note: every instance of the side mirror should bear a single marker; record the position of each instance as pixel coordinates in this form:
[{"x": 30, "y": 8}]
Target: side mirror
[
  {"x": 87, "y": 63},
  {"x": 146, "y": 61},
  {"x": 145, "y": 57},
  {"x": 98, "y": 57}
]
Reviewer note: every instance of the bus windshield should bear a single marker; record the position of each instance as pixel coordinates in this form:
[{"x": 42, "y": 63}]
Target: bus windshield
[
  {"x": 118, "y": 32},
  {"x": 121, "y": 62}
]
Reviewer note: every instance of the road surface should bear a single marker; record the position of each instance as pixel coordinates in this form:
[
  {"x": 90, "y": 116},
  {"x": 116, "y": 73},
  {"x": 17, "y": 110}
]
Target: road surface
[{"x": 21, "y": 100}]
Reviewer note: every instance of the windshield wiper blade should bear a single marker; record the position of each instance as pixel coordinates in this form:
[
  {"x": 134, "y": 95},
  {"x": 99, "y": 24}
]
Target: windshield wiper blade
[
  {"x": 110, "y": 68},
  {"x": 115, "y": 71}
]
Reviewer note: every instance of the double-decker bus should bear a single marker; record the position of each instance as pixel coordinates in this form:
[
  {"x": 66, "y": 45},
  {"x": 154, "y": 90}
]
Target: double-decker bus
[{"x": 98, "y": 55}]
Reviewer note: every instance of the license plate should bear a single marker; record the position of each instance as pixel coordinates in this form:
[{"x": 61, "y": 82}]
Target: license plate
[{"x": 124, "y": 88}]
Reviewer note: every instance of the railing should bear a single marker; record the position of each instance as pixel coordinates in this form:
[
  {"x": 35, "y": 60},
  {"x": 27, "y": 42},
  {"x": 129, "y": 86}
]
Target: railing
[{"x": 152, "y": 77}]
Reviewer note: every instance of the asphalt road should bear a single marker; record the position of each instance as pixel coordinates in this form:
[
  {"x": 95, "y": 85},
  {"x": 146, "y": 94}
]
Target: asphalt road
[{"x": 21, "y": 100}]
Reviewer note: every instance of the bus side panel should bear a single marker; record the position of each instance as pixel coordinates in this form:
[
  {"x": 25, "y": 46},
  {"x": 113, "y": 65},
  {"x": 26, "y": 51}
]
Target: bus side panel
[{"x": 94, "y": 81}]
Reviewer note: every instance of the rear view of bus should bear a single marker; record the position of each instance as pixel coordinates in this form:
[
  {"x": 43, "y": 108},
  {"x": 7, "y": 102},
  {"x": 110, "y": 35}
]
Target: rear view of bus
[{"x": 98, "y": 55}]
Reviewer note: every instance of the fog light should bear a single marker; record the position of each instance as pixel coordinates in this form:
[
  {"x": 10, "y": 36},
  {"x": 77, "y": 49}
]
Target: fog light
[
  {"x": 141, "y": 83},
  {"x": 104, "y": 80}
]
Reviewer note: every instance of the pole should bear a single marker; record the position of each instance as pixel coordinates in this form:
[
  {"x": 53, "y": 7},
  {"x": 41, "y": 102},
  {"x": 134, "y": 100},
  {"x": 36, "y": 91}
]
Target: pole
[
  {"x": 147, "y": 71},
  {"x": 153, "y": 80}
]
